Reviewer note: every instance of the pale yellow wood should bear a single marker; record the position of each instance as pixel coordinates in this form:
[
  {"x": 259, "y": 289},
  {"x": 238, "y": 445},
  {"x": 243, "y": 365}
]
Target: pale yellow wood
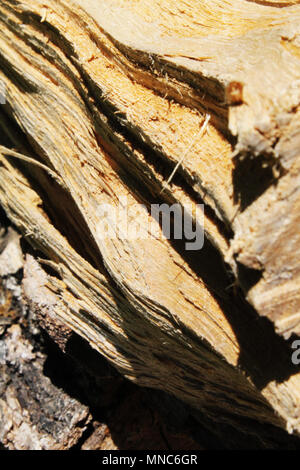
[{"x": 104, "y": 99}]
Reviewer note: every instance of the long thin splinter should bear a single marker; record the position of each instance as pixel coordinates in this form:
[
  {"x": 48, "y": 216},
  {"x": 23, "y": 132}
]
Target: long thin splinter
[{"x": 202, "y": 131}]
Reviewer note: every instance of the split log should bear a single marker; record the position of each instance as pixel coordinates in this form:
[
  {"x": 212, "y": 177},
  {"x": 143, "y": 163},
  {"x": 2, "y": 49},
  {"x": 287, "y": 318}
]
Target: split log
[
  {"x": 83, "y": 403},
  {"x": 150, "y": 103}
]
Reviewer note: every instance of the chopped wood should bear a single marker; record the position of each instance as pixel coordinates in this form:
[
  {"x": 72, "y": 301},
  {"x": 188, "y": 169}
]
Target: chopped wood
[{"x": 123, "y": 105}]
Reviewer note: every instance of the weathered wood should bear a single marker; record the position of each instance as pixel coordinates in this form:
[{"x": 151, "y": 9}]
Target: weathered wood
[
  {"x": 71, "y": 398},
  {"x": 103, "y": 100}
]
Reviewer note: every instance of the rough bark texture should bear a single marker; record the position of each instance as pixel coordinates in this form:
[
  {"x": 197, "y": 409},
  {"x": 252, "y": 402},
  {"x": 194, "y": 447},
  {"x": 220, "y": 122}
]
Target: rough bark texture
[{"x": 104, "y": 99}]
